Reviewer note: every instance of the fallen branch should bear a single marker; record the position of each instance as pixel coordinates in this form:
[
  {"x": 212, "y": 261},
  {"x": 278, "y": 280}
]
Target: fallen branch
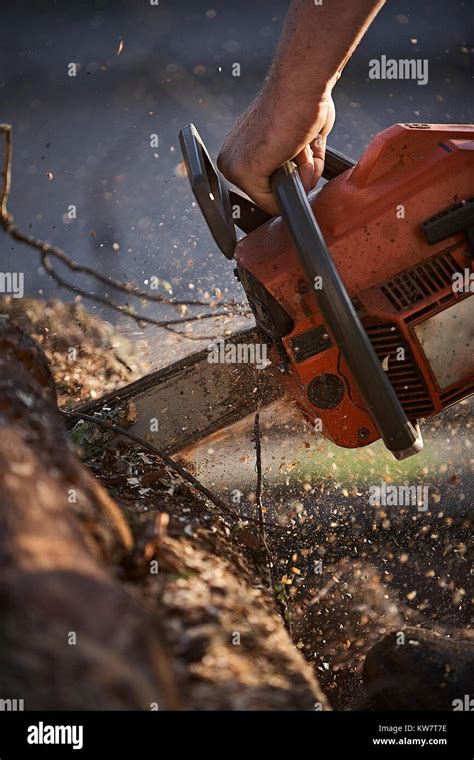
[
  {"x": 47, "y": 250},
  {"x": 71, "y": 636},
  {"x": 181, "y": 471},
  {"x": 258, "y": 497}
]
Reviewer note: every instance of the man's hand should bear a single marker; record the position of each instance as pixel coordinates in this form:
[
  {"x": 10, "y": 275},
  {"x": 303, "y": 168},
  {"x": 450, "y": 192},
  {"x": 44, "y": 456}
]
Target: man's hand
[
  {"x": 258, "y": 144},
  {"x": 293, "y": 114}
]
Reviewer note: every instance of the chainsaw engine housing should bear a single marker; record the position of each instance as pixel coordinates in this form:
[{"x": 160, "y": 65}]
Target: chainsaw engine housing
[{"x": 400, "y": 229}]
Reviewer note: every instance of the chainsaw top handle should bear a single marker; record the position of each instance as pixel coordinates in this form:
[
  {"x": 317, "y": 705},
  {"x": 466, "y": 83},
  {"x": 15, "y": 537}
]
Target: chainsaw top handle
[
  {"x": 340, "y": 316},
  {"x": 217, "y": 201}
]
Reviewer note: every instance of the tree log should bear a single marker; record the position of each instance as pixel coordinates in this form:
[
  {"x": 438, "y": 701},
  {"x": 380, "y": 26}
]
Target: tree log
[{"x": 70, "y": 636}]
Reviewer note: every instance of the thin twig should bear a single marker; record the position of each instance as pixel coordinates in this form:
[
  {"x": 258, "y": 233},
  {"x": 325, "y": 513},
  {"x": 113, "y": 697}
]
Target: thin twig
[
  {"x": 185, "y": 474},
  {"x": 258, "y": 495},
  {"x": 7, "y": 164},
  {"x": 278, "y": 591},
  {"x": 46, "y": 250},
  {"x": 125, "y": 310},
  {"x": 181, "y": 471},
  {"x": 194, "y": 482}
]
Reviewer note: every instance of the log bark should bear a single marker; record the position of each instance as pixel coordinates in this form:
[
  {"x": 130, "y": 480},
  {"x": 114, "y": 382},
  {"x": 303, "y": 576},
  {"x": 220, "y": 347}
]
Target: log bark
[
  {"x": 84, "y": 622},
  {"x": 70, "y": 636}
]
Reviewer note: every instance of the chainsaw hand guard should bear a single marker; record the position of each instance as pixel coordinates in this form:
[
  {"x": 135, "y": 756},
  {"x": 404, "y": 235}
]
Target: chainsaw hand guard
[
  {"x": 216, "y": 200},
  {"x": 341, "y": 319},
  {"x": 209, "y": 190}
]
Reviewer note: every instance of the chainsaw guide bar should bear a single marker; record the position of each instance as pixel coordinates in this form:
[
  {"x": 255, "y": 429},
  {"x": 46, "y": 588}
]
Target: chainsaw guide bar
[{"x": 189, "y": 400}]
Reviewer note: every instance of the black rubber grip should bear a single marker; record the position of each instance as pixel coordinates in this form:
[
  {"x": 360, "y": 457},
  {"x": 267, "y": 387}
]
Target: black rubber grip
[
  {"x": 339, "y": 314},
  {"x": 251, "y": 217},
  {"x": 335, "y": 163}
]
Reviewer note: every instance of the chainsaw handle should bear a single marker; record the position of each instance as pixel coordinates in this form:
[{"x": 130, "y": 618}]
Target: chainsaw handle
[
  {"x": 335, "y": 163},
  {"x": 209, "y": 189},
  {"x": 340, "y": 317},
  {"x": 216, "y": 200}
]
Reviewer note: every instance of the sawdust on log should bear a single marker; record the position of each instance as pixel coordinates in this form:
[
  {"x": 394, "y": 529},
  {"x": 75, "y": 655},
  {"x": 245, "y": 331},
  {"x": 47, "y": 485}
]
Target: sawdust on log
[
  {"x": 86, "y": 355},
  {"x": 229, "y": 645},
  {"x": 210, "y": 592},
  {"x": 201, "y": 581}
]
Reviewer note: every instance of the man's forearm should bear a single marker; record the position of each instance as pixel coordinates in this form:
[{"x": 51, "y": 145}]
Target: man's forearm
[
  {"x": 294, "y": 112},
  {"x": 316, "y": 43}
]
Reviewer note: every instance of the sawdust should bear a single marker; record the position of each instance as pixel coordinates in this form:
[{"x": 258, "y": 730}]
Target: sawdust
[
  {"x": 229, "y": 646},
  {"x": 86, "y": 355},
  {"x": 209, "y": 590}
]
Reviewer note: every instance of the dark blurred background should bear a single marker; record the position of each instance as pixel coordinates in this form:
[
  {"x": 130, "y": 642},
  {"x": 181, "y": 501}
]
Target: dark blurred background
[{"x": 150, "y": 69}]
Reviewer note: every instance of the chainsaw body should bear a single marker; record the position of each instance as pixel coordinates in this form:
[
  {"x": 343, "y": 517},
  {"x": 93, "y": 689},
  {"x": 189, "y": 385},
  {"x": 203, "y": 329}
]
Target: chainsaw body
[{"x": 397, "y": 229}]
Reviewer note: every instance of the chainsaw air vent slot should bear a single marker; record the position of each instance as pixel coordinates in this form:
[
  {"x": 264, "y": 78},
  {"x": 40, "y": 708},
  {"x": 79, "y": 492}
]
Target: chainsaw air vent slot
[
  {"x": 425, "y": 280},
  {"x": 455, "y": 394},
  {"x": 403, "y": 374}
]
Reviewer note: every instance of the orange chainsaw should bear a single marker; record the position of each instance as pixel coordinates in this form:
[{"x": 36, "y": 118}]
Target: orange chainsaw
[{"x": 361, "y": 292}]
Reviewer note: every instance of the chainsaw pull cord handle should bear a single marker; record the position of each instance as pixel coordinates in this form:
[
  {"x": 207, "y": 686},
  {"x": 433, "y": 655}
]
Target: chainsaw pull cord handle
[{"x": 340, "y": 316}]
